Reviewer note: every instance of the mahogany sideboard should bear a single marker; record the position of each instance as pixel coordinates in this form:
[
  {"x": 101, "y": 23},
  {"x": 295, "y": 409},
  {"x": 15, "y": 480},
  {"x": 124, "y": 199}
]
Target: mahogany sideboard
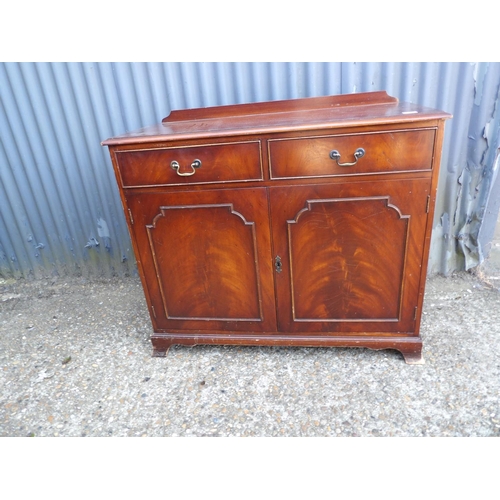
[{"x": 304, "y": 222}]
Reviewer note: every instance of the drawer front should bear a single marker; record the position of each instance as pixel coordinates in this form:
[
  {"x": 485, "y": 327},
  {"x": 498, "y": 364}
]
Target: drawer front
[
  {"x": 394, "y": 151},
  {"x": 203, "y": 164}
]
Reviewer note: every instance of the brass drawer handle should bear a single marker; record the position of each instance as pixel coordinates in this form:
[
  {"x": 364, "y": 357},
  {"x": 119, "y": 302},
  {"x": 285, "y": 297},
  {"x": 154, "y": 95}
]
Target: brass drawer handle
[
  {"x": 335, "y": 155},
  {"x": 196, "y": 164}
]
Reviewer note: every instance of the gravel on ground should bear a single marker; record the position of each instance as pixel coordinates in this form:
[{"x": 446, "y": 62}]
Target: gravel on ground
[{"x": 75, "y": 360}]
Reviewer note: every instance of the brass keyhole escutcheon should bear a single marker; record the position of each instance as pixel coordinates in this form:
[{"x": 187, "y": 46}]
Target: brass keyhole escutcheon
[{"x": 277, "y": 264}]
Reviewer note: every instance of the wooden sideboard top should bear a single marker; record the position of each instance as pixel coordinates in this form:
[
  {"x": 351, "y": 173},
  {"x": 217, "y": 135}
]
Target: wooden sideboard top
[{"x": 312, "y": 113}]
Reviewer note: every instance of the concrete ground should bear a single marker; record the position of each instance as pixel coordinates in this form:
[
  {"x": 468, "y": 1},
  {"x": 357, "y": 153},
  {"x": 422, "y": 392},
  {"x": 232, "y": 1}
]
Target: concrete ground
[{"x": 75, "y": 360}]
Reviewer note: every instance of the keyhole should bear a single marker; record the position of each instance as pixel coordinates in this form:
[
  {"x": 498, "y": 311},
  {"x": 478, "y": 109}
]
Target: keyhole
[{"x": 277, "y": 264}]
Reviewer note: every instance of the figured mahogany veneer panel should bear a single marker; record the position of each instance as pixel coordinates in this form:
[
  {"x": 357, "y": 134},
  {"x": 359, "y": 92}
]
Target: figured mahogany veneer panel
[
  {"x": 394, "y": 151},
  {"x": 210, "y": 277},
  {"x": 238, "y": 161},
  {"x": 206, "y": 258},
  {"x": 335, "y": 245},
  {"x": 350, "y": 255}
]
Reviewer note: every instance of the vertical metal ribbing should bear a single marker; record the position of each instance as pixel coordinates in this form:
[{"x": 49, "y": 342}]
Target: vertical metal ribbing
[
  {"x": 86, "y": 158},
  {"x": 68, "y": 155},
  {"x": 56, "y": 181},
  {"x": 175, "y": 87},
  {"x": 84, "y": 79},
  {"x": 29, "y": 192},
  {"x": 242, "y": 78}
]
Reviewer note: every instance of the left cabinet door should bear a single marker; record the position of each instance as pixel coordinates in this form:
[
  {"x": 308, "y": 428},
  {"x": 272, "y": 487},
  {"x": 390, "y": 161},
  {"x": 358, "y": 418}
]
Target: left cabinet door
[{"x": 205, "y": 258}]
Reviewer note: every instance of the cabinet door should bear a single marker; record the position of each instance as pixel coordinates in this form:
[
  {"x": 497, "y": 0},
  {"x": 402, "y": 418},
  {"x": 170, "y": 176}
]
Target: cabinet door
[
  {"x": 350, "y": 255},
  {"x": 205, "y": 259}
]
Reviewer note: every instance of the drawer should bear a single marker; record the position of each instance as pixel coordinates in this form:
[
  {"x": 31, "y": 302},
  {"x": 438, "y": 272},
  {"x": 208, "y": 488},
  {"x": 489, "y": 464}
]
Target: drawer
[
  {"x": 394, "y": 151},
  {"x": 228, "y": 162}
]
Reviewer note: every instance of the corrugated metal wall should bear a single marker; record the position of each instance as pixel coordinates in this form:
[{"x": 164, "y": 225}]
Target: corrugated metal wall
[{"x": 59, "y": 206}]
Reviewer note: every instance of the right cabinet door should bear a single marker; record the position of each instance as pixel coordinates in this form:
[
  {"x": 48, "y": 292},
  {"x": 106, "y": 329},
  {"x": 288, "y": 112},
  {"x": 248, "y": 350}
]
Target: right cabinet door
[{"x": 350, "y": 256}]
